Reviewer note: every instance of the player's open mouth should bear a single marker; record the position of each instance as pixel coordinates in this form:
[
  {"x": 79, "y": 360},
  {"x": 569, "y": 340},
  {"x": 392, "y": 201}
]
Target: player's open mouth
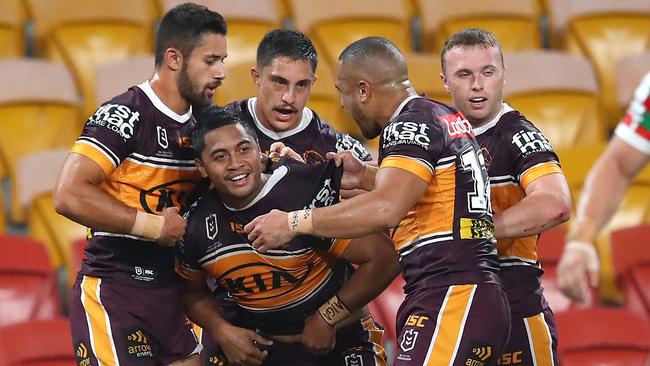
[
  {"x": 284, "y": 114},
  {"x": 479, "y": 101},
  {"x": 239, "y": 179}
]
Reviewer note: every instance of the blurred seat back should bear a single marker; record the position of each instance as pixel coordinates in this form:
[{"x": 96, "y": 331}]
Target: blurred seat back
[
  {"x": 28, "y": 281},
  {"x": 603, "y": 31},
  {"x": 114, "y": 78},
  {"x": 630, "y": 70},
  {"x": 558, "y": 93},
  {"x": 333, "y": 24},
  {"x": 41, "y": 343},
  {"x": 238, "y": 83},
  {"x": 40, "y": 111},
  {"x": 83, "y": 34},
  {"x": 516, "y": 24},
  {"x": 12, "y": 28},
  {"x": 631, "y": 259},
  {"x": 424, "y": 72}
]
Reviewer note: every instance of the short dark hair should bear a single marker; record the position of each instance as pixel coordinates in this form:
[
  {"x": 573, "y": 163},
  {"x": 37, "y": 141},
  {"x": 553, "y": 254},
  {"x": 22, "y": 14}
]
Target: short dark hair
[
  {"x": 211, "y": 118},
  {"x": 184, "y": 26},
  {"x": 470, "y": 37},
  {"x": 369, "y": 48},
  {"x": 286, "y": 43}
]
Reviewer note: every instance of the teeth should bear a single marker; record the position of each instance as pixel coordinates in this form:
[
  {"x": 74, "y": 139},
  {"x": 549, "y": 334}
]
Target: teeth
[{"x": 238, "y": 177}]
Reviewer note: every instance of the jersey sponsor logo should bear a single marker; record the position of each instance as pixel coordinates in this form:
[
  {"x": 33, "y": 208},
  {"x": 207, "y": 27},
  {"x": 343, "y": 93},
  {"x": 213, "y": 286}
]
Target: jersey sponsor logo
[
  {"x": 162, "y": 137},
  {"x": 167, "y": 196},
  {"x": 268, "y": 277},
  {"x": 511, "y": 358},
  {"x": 408, "y": 340},
  {"x": 353, "y": 359},
  {"x": 137, "y": 345},
  {"x": 82, "y": 354},
  {"x": 476, "y": 229},
  {"x": 479, "y": 355},
  {"x": 117, "y": 118},
  {"x": 211, "y": 227},
  {"x": 144, "y": 274},
  {"x": 457, "y": 125},
  {"x": 345, "y": 142},
  {"x": 325, "y": 196},
  {"x": 217, "y": 360},
  {"x": 416, "y": 320},
  {"x": 530, "y": 142},
  {"x": 404, "y": 132}
]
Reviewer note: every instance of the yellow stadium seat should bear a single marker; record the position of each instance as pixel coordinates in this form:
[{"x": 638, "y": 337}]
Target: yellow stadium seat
[
  {"x": 238, "y": 83},
  {"x": 629, "y": 72},
  {"x": 37, "y": 175},
  {"x": 12, "y": 34},
  {"x": 248, "y": 22},
  {"x": 40, "y": 110},
  {"x": 333, "y": 24},
  {"x": 114, "y": 78},
  {"x": 603, "y": 31},
  {"x": 577, "y": 162},
  {"x": 515, "y": 23},
  {"x": 558, "y": 93},
  {"x": 424, "y": 71},
  {"x": 83, "y": 34}
]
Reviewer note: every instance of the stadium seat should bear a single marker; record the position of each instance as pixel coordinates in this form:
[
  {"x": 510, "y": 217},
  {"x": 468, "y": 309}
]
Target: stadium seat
[
  {"x": 12, "y": 28},
  {"x": 238, "y": 83},
  {"x": 37, "y": 175},
  {"x": 630, "y": 70},
  {"x": 27, "y": 281},
  {"x": 550, "y": 247},
  {"x": 558, "y": 93},
  {"x": 424, "y": 71},
  {"x": 248, "y": 22},
  {"x": 600, "y": 336},
  {"x": 631, "y": 259},
  {"x": 40, "y": 110},
  {"x": 577, "y": 162},
  {"x": 603, "y": 31},
  {"x": 114, "y": 78},
  {"x": 333, "y": 24},
  {"x": 515, "y": 23},
  {"x": 83, "y": 34},
  {"x": 41, "y": 343}
]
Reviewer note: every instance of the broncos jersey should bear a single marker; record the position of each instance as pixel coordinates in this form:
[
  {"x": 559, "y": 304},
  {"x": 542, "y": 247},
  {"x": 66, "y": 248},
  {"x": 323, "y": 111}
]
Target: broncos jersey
[
  {"x": 516, "y": 153},
  {"x": 144, "y": 149},
  {"x": 447, "y": 237},
  {"x": 634, "y": 128},
  {"x": 278, "y": 289},
  {"x": 313, "y": 137}
]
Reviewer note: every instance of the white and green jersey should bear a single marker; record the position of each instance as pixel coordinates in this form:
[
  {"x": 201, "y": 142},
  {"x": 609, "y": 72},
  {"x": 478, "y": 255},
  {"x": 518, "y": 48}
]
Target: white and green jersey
[{"x": 635, "y": 126}]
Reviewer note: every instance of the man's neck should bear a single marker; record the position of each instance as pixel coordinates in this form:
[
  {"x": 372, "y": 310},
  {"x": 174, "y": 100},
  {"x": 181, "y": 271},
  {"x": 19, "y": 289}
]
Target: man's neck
[{"x": 166, "y": 89}]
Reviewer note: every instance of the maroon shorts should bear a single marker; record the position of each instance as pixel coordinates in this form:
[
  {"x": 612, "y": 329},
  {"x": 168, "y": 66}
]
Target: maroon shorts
[
  {"x": 115, "y": 322},
  {"x": 457, "y": 325},
  {"x": 357, "y": 344},
  {"x": 533, "y": 341}
]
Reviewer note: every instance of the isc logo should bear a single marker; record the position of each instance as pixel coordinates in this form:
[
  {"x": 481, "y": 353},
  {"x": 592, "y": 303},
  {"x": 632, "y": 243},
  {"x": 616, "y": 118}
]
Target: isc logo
[{"x": 416, "y": 320}]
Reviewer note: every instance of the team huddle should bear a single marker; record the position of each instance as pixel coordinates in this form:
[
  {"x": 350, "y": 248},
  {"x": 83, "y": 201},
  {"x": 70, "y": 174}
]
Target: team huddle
[{"x": 219, "y": 235}]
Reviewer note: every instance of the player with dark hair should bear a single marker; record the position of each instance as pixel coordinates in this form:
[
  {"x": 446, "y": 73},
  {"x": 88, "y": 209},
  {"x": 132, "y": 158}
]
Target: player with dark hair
[
  {"x": 284, "y": 75},
  {"x": 529, "y": 191},
  {"x": 126, "y": 178},
  {"x": 300, "y": 306},
  {"x": 431, "y": 191}
]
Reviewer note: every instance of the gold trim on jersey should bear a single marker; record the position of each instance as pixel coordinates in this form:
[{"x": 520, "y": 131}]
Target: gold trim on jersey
[
  {"x": 99, "y": 324},
  {"x": 539, "y": 340},
  {"x": 409, "y": 164},
  {"x": 537, "y": 171},
  {"x": 94, "y": 153}
]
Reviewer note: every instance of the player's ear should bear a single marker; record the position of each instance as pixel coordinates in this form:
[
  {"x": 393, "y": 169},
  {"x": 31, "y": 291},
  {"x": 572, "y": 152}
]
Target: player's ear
[
  {"x": 255, "y": 75},
  {"x": 364, "y": 90},
  {"x": 173, "y": 59},
  {"x": 199, "y": 165}
]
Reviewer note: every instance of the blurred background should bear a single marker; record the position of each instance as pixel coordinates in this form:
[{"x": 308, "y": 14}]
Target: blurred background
[{"x": 572, "y": 67}]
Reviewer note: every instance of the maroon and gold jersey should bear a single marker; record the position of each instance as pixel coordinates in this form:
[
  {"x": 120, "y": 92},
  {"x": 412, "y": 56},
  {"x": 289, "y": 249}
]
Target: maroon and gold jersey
[
  {"x": 516, "y": 153},
  {"x": 144, "y": 149},
  {"x": 312, "y": 138},
  {"x": 278, "y": 289},
  {"x": 447, "y": 237}
]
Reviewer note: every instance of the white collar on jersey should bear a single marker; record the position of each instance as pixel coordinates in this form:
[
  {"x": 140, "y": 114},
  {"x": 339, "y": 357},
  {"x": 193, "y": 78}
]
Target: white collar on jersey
[
  {"x": 505, "y": 108},
  {"x": 401, "y": 105},
  {"x": 269, "y": 182},
  {"x": 146, "y": 88},
  {"x": 307, "y": 115}
]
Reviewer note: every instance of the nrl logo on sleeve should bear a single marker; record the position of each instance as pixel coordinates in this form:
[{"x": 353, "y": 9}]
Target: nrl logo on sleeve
[
  {"x": 117, "y": 118},
  {"x": 530, "y": 142},
  {"x": 404, "y": 132}
]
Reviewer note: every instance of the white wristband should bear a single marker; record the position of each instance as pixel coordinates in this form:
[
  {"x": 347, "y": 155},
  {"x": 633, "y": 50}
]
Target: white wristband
[
  {"x": 593, "y": 264},
  {"x": 300, "y": 221},
  {"x": 148, "y": 225}
]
